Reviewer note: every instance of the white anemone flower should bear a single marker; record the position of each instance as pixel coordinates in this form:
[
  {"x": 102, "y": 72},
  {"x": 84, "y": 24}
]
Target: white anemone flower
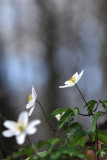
[
  {"x": 73, "y": 80},
  {"x": 58, "y": 116},
  {"x": 31, "y": 101},
  {"x": 20, "y": 128}
]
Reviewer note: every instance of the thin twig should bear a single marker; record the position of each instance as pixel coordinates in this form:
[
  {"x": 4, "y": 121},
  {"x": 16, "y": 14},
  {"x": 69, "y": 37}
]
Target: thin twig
[
  {"x": 96, "y": 107},
  {"x": 83, "y": 114},
  {"x": 103, "y": 114}
]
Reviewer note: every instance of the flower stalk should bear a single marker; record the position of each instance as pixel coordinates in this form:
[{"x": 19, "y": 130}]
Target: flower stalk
[
  {"x": 97, "y": 140},
  {"x": 53, "y": 131},
  {"x": 84, "y": 99}
]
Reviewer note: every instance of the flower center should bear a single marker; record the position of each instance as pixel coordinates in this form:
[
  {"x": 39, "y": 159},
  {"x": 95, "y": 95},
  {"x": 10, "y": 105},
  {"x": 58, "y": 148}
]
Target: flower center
[
  {"x": 72, "y": 79},
  {"x": 30, "y": 98},
  {"x": 20, "y": 126},
  {"x": 61, "y": 115}
]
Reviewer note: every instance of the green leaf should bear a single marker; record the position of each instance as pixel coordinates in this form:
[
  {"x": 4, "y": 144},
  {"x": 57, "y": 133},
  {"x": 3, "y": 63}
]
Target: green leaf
[
  {"x": 100, "y": 153},
  {"x": 50, "y": 142},
  {"x": 25, "y": 150},
  {"x": 65, "y": 118},
  {"x": 77, "y": 137},
  {"x": 90, "y": 107},
  {"x": 62, "y": 153},
  {"x": 58, "y": 111},
  {"x": 102, "y": 136},
  {"x": 104, "y": 147},
  {"x": 71, "y": 151},
  {"x": 104, "y": 103},
  {"x": 41, "y": 154},
  {"x": 72, "y": 126},
  {"x": 91, "y": 134},
  {"x": 76, "y": 132},
  {"x": 75, "y": 111},
  {"x": 78, "y": 140},
  {"x": 96, "y": 116}
]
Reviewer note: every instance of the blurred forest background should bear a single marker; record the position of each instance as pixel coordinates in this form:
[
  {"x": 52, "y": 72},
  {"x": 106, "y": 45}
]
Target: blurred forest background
[{"x": 44, "y": 42}]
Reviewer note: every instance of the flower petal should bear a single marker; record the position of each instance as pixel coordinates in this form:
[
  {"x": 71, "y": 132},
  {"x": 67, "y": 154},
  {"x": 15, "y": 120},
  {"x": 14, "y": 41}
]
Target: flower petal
[
  {"x": 34, "y": 94},
  {"x": 75, "y": 75},
  {"x": 8, "y": 133},
  {"x": 30, "y": 104},
  {"x": 69, "y": 85},
  {"x": 57, "y": 117},
  {"x": 33, "y": 123},
  {"x": 9, "y": 124},
  {"x": 21, "y": 138},
  {"x": 80, "y": 75},
  {"x": 67, "y": 82},
  {"x": 31, "y": 110},
  {"x": 23, "y": 117},
  {"x": 31, "y": 131}
]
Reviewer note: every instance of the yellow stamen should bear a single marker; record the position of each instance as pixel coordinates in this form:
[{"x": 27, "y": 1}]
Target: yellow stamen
[
  {"x": 72, "y": 79},
  {"x": 61, "y": 115},
  {"x": 30, "y": 98},
  {"x": 20, "y": 126}
]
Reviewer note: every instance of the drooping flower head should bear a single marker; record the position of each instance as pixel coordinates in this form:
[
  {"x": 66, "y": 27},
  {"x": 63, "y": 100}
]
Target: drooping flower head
[
  {"x": 20, "y": 128},
  {"x": 31, "y": 101},
  {"x": 58, "y": 116},
  {"x": 73, "y": 80}
]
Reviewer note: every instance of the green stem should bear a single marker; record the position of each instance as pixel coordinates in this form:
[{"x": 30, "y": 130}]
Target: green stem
[
  {"x": 35, "y": 151},
  {"x": 29, "y": 140},
  {"x": 53, "y": 131},
  {"x": 68, "y": 141},
  {"x": 97, "y": 140},
  {"x": 84, "y": 99}
]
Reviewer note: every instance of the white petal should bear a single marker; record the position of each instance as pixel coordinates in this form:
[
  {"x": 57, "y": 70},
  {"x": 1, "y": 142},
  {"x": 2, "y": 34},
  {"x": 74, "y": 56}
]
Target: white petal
[
  {"x": 80, "y": 75},
  {"x": 33, "y": 123},
  {"x": 34, "y": 94},
  {"x": 31, "y": 110},
  {"x": 69, "y": 85},
  {"x": 57, "y": 117},
  {"x": 30, "y": 104},
  {"x": 75, "y": 75},
  {"x": 63, "y": 113},
  {"x": 23, "y": 117},
  {"x": 8, "y": 133},
  {"x": 67, "y": 82},
  {"x": 31, "y": 131},
  {"x": 21, "y": 138},
  {"x": 9, "y": 124}
]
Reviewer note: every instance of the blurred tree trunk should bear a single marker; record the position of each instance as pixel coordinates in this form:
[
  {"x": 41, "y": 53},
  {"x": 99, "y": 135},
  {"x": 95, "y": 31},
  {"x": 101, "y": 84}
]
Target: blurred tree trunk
[
  {"x": 50, "y": 41},
  {"x": 2, "y": 148},
  {"x": 103, "y": 60}
]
